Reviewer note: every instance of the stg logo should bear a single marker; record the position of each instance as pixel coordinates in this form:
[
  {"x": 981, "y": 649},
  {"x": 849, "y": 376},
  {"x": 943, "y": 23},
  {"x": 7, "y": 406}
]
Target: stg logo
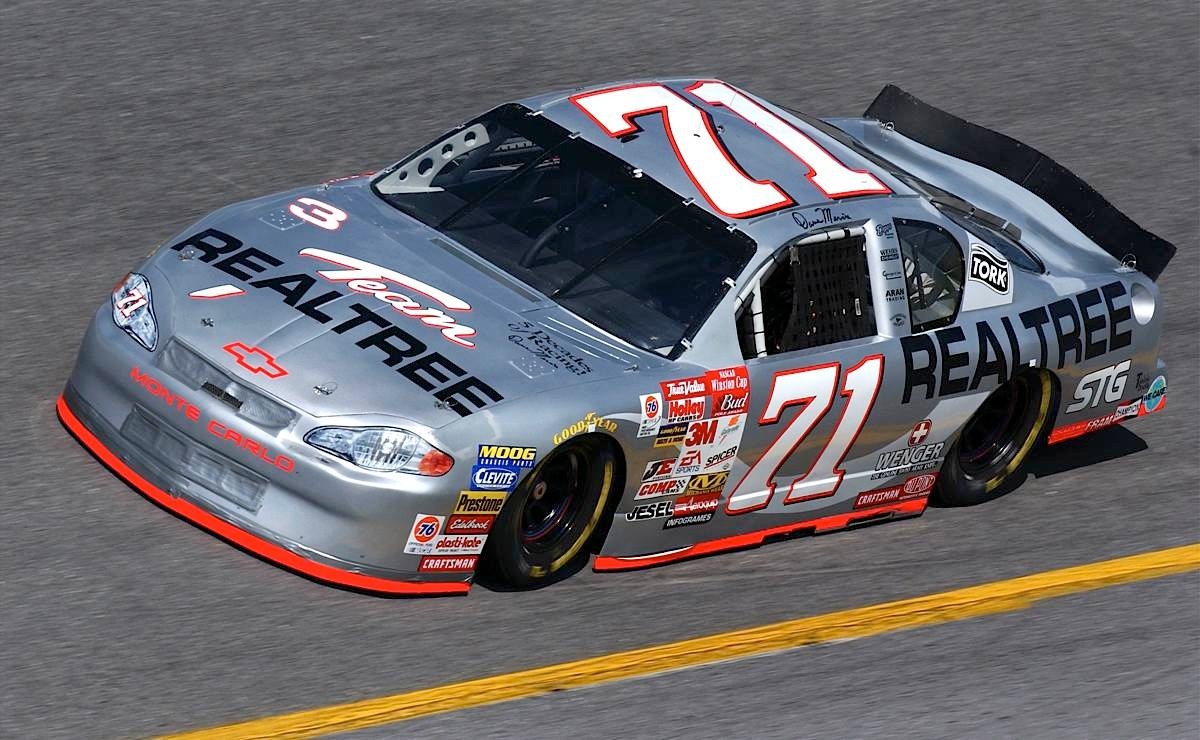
[{"x": 255, "y": 360}]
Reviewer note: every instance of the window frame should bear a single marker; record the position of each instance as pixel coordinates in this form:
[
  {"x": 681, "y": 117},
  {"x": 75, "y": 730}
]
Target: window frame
[{"x": 962, "y": 256}]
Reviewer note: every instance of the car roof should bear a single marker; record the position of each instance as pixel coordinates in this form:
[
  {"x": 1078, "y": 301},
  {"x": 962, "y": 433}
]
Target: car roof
[{"x": 753, "y": 150}]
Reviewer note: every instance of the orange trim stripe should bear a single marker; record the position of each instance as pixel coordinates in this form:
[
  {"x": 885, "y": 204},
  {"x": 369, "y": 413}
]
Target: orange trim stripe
[
  {"x": 241, "y": 538},
  {"x": 751, "y": 539}
]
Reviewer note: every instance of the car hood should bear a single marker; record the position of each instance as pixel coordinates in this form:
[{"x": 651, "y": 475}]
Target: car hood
[{"x": 378, "y": 314}]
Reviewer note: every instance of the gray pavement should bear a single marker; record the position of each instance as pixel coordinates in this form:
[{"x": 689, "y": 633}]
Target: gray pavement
[{"x": 123, "y": 122}]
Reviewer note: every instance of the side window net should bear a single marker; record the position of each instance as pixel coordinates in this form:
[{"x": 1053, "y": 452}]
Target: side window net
[
  {"x": 933, "y": 270},
  {"x": 814, "y": 294}
]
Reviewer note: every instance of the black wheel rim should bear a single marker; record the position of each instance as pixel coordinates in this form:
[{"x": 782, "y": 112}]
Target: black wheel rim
[
  {"x": 992, "y": 437},
  {"x": 555, "y": 499}
]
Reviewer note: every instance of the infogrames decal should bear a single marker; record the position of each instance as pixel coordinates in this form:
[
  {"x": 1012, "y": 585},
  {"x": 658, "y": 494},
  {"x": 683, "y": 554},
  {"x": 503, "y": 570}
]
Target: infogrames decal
[
  {"x": 589, "y": 423},
  {"x": 1082, "y": 327}
]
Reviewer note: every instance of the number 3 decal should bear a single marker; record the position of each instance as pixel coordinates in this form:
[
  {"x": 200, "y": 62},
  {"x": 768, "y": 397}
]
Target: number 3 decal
[
  {"x": 317, "y": 213},
  {"x": 705, "y": 159},
  {"x": 814, "y": 387}
]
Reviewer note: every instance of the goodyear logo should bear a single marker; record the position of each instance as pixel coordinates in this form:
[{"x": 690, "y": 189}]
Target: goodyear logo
[
  {"x": 707, "y": 482},
  {"x": 521, "y": 457},
  {"x": 478, "y": 502}
]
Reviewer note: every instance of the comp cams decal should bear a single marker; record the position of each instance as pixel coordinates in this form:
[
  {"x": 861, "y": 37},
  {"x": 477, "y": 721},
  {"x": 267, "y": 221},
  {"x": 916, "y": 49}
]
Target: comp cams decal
[{"x": 428, "y": 369}]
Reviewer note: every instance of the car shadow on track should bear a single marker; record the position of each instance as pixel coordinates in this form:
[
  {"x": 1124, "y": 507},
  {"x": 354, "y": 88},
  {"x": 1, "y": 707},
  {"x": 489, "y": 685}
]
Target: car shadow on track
[{"x": 1101, "y": 446}]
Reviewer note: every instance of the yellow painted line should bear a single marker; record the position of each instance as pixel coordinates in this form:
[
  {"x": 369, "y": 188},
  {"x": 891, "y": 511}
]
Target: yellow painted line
[{"x": 949, "y": 606}]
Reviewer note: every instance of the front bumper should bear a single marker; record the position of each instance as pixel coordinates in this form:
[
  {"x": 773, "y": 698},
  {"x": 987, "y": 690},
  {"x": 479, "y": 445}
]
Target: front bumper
[{"x": 302, "y": 521}]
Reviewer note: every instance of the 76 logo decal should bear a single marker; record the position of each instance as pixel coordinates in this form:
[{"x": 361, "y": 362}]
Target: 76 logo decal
[{"x": 814, "y": 389}]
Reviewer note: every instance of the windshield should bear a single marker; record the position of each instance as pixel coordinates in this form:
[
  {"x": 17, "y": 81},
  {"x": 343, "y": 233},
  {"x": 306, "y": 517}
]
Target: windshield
[{"x": 570, "y": 220}]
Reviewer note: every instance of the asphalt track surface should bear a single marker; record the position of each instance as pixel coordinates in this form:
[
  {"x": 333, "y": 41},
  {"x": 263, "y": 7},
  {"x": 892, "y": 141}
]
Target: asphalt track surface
[{"x": 122, "y": 122}]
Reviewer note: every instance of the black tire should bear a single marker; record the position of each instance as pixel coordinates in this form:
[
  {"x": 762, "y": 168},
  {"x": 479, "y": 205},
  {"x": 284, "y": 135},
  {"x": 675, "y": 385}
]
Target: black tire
[
  {"x": 994, "y": 445},
  {"x": 545, "y": 526}
]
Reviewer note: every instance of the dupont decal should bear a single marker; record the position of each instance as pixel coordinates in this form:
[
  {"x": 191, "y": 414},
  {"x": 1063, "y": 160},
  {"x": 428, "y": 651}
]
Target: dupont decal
[
  {"x": 651, "y": 406},
  {"x": 506, "y": 456},
  {"x": 990, "y": 269},
  {"x": 493, "y": 477},
  {"x": 442, "y": 564},
  {"x": 729, "y": 389},
  {"x": 957, "y": 359},
  {"x": 1106, "y": 384},
  {"x": 361, "y": 326},
  {"x": 470, "y": 523},
  {"x": 425, "y": 531},
  {"x": 669, "y": 487},
  {"x": 478, "y": 502},
  {"x": 589, "y": 423},
  {"x": 916, "y": 487},
  {"x": 1156, "y": 396}
]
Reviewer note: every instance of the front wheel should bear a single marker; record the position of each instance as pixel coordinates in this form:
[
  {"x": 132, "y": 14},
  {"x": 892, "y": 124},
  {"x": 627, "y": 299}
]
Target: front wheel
[
  {"x": 546, "y": 524},
  {"x": 997, "y": 440}
]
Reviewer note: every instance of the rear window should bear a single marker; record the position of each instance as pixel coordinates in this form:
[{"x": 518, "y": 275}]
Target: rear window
[{"x": 574, "y": 222}]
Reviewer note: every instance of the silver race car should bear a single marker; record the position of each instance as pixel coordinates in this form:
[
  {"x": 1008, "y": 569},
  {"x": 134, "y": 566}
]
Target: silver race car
[{"x": 647, "y": 321}]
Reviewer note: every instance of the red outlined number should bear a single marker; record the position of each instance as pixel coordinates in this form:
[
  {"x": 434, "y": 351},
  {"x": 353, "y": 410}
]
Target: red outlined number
[
  {"x": 705, "y": 160},
  {"x": 825, "y": 172},
  {"x": 318, "y": 213},
  {"x": 813, "y": 388}
]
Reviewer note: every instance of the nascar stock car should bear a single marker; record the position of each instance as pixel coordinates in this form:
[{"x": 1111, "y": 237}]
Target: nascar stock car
[{"x": 645, "y": 321}]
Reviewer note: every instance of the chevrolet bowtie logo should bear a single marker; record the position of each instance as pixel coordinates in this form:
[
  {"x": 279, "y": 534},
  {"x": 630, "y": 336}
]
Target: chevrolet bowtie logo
[{"x": 255, "y": 360}]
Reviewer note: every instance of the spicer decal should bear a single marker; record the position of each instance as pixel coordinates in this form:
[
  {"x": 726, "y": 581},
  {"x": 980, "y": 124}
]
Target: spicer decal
[
  {"x": 1082, "y": 327},
  {"x": 429, "y": 370}
]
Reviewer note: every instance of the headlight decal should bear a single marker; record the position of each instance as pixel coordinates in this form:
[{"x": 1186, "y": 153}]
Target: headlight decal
[{"x": 133, "y": 310}]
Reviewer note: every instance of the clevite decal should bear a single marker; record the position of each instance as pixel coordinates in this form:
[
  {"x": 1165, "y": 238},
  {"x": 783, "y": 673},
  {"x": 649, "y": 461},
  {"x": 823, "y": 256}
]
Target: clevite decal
[{"x": 428, "y": 369}]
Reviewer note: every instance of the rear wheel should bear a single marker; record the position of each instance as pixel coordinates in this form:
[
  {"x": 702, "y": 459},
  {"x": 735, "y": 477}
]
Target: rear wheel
[
  {"x": 997, "y": 440},
  {"x": 546, "y": 524}
]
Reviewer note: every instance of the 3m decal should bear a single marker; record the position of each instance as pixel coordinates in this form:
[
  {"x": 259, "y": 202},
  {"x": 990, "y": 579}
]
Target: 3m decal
[
  {"x": 478, "y": 502},
  {"x": 1082, "y": 327},
  {"x": 407, "y": 355},
  {"x": 813, "y": 388},
  {"x": 506, "y": 455},
  {"x": 255, "y": 359},
  {"x": 425, "y": 530},
  {"x": 1107, "y": 384}
]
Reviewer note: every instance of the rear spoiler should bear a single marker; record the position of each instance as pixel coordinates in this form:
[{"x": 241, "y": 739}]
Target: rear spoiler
[{"x": 1086, "y": 209}]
